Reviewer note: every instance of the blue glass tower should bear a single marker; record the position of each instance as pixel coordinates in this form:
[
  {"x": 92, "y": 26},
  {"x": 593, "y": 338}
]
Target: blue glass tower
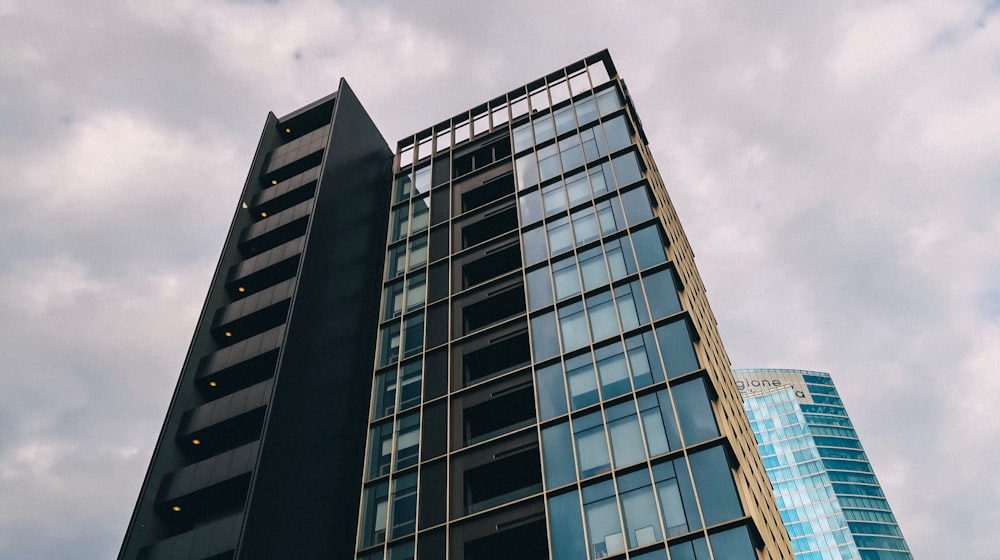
[{"x": 830, "y": 500}]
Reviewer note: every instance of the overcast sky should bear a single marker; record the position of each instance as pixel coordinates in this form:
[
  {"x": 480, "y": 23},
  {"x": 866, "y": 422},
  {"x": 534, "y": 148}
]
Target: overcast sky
[{"x": 836, "y": 167}]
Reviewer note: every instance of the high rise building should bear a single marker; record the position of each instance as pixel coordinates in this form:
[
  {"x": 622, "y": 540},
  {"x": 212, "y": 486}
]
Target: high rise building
[
  {"x": 830, "y": 500},
  {"x": 492, "y": 341}
]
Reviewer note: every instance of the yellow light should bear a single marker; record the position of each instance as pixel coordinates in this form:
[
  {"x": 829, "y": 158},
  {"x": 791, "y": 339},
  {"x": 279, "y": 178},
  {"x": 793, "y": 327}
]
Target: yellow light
[
  {"x": 213, "y": 384},
  {"x": 228, "y": 334},
  {"x": 274, "y": 181},
  {"x": 196, "y": 441},
  {"x": 288, "y": 130},
  {"x": 263, "y": 214},
  {"x": 245, "y": 205},
  {"x": 241, "y": 289},
  {"x": 176, "y": 508}
]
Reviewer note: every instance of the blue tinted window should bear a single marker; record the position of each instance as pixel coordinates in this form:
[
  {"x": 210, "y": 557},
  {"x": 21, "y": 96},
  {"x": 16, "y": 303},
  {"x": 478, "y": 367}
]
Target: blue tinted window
[
  {"x": 560, "y": 238},
  {"x": 637, "y": 206},
  {"x": 548, "y": 163},
  {"x": 526, "y": 168},
  {"x": 570, "y": 153},
  {"x": 581, "y": 381},
  {"x": 534, "y": 246},
  {"x": 690, "y": 550},
  {"x": 543, "y": 129},
  {"x": 642, "y": 522},
  {"x": 572, "y": 326},
  {"x": 694, "y": 412},
  {"x": 586, "y": 111},
  {"x": 617, "y": 134},
  {"x": 677, "y": 503},
  {"x": 601, "y": 310},
  {"x": 612, "y": 371},
  {"x": 658, "y": 422},
  {"x": 539, "y": 288},
  {"x": 644, "y": 360},
  {"x": 716, "y": 491},
  {"x": 592, "y": 268},
  {"x": 565, "y": 278},
  {"x": 553, "y": 198},
  {"x": 609, "y": 101},
  {"x": 631, "y": 306},
  {"x": 649, "y": 246},
  {"x": 566, "y": 527},
  {"x": 551, "y": 392},
  {"x": 677, "y": 349},
  {"x": 620, "y": 259},
  {"x": 661, "y": 290},
  {"x": 627, "y": 170},
  {"x": 591, "y": 446},
  {"x": 544, "y": 343},
  {"x": 557, "y": 452},
  {"x": 522, "y": 137},
  {"x": 603, "y": 528},
  {"x": 577, "y": 188},
  {"x": 565, "y": 120},
  {"x": 530, "y": 208},
  {"x": 626, "y": 439}
]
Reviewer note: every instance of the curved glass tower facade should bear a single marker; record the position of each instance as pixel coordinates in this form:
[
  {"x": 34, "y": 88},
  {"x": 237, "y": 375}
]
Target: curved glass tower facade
[{"x": 830, "y": 500}]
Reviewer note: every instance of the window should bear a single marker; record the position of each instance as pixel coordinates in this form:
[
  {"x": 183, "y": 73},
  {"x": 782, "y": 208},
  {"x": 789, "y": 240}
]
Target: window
[
  {"x": 409, "y": 385},
  {"x": 553, "y": 198},
  {"x": 565, "y": 278},
  {"x": 560, "y": 238},
  {"x": 642, "y": 523},
  {"x": 677, "y": 347},
  {"x": 592, "y": 268},
  {"x": 572, "y": 326},
  {"x": 581, "y": 381},
  {"x": 694, "y": 411},
  {"x": 422, "y": 177},
  {"x": 404, "y": 505},
  {"x": 413, "y": 335},
  {"x": 612, "y": 370},
  {"x": 544, "y": 342},
  {"x": 716, "y": 491},
  {"x": 393, "y": 306},
  {"x": 626, "y": 439},
  {"x": 376, "y": 504},
  {"x": 658, "y": 422},
  {"x": 385, "y": 394},
  {"x": 600, "y": 509},
  {"x": 631, "y": 306},
  {"x": 416, "y": 291},
  {"x": 649, "y": 246},
  {"x": 389, "y": 346},
  {"x": 529, "y": 206},
  {"x": 662, "y": 288},
  {"x": 603, "y": 323},
  {"x": 565, "y": 528},
  {"x": 380, "y": 450},
  {"x": 403, "y": 188},
  {"x": 644, "y": 359},
  {"x": 677, "y": 503},
  {"x": 620, "y": 259},
  {"x": 577, "y": 188},
  {"x": 557, "y": 451},
  {"x": 407, "y": 440},
  {"x": 591, "y": 446},
  {"x": 551, "y": 391},
  {"x": 539, "y": 288}
]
